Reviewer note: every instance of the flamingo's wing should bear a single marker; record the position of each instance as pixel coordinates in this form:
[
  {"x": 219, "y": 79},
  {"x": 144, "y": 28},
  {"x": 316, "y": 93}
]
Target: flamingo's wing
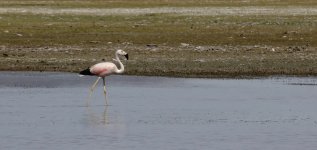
[{"x": 86, "y": 72}]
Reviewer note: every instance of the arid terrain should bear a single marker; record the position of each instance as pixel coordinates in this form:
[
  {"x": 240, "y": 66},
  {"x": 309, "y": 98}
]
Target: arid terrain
[{"x": 164, "y": 38}]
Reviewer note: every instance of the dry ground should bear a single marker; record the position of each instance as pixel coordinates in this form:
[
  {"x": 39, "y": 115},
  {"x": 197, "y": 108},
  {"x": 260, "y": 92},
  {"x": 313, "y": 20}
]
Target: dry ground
[{"x": 178, "y": 38}]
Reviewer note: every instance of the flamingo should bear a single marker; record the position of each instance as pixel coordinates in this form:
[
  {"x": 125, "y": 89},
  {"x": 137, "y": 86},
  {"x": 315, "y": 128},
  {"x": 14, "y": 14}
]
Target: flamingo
[{"x": 103, "y": 69}]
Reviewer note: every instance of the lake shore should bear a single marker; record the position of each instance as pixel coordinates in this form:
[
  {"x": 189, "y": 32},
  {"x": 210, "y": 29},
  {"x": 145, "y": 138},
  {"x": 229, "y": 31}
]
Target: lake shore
[
  {"x": 209, "y": 62},
  {"x": 180, "y": 39}
]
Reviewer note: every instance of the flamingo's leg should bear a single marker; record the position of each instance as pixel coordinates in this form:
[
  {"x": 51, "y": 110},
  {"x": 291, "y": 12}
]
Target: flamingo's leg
[
  {"x": 91, "y": 90},
  {"x": 104, "y": 91}
]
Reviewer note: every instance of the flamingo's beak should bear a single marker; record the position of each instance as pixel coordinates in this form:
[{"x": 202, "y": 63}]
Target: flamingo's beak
[{"x": 126, "y": 56}]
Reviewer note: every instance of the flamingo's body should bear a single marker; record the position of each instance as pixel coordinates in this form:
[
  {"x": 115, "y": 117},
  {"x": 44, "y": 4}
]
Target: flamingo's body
[{"x": 104, "y": 69}]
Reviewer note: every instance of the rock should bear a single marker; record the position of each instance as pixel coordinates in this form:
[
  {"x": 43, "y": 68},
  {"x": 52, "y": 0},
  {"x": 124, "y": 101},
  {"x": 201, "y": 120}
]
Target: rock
[
  {"x": 199, "y": 48},
  {"x": 151, "y": 45},
  {"x": 184, "y": 45}
]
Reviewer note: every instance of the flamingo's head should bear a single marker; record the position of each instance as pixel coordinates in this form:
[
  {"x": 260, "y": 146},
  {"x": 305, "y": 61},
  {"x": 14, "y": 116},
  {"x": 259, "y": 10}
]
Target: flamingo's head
[{"x": 123, "y": 53}]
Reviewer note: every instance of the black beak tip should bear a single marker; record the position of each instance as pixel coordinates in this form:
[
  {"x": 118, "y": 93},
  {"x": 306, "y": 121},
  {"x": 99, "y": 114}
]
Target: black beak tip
[{"x": 127, "y": 56}]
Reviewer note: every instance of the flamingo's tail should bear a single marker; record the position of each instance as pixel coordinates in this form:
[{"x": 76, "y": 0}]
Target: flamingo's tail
[{"x": 85, "y": 72}]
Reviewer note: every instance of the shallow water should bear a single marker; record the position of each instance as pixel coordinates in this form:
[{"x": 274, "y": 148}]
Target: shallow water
[{"x": 47, "y": 111}]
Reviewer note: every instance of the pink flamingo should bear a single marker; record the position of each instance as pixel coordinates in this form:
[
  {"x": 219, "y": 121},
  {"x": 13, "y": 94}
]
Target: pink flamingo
[{"x": 103, "y": 69}]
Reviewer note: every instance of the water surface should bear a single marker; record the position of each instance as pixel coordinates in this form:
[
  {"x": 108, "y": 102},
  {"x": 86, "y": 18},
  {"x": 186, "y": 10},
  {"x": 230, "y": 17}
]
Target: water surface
[{"x": 47, "y": 111}]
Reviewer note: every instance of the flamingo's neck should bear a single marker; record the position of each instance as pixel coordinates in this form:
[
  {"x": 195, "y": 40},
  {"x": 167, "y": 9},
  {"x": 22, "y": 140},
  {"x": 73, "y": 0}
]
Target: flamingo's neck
[{"x": 121, "y": 70}]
